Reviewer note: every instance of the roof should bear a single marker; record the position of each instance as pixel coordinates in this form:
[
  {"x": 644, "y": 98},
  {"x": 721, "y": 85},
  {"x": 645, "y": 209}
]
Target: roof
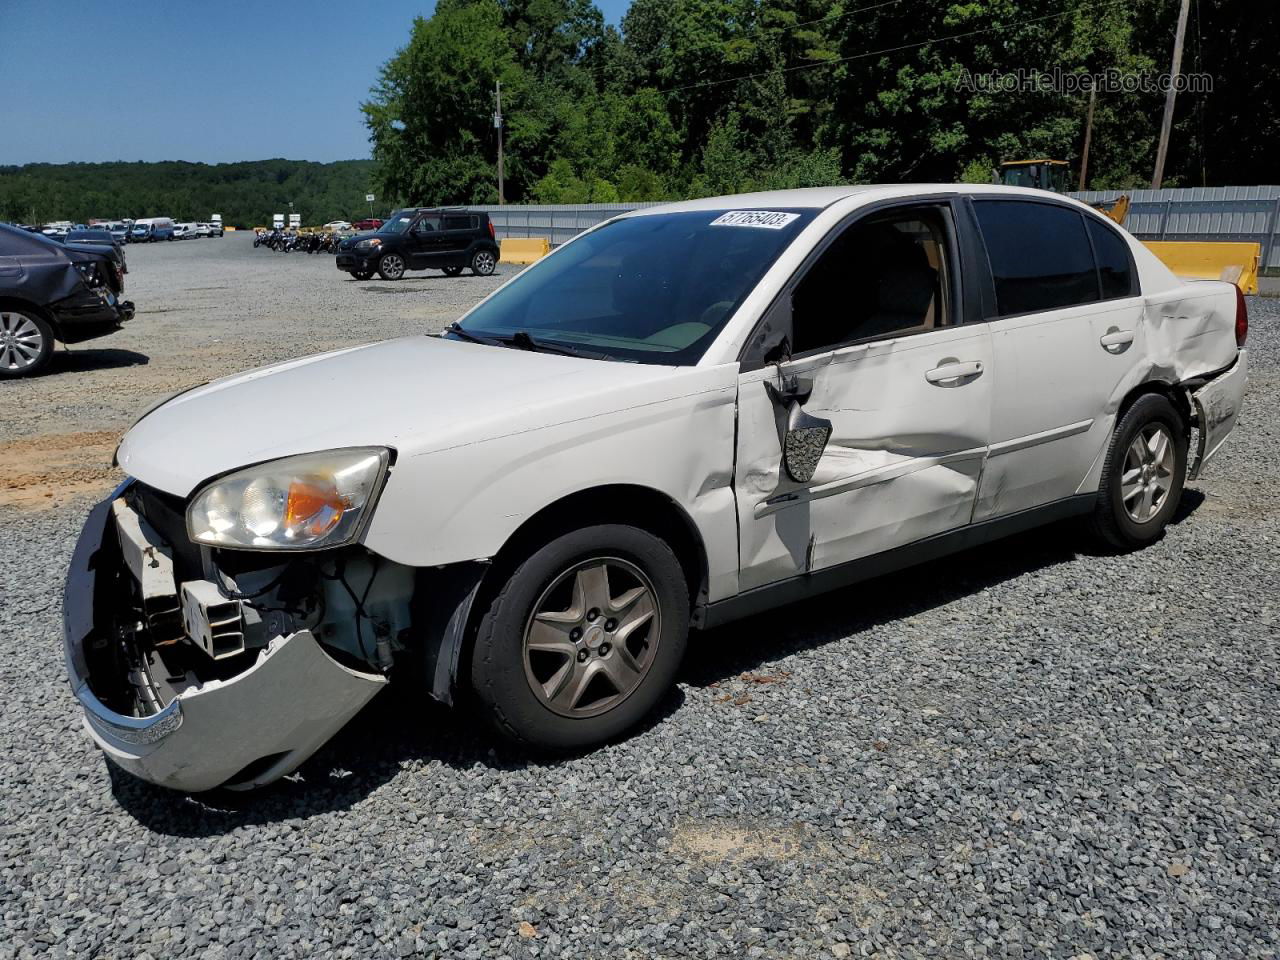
[{"x": 820, "y": 197}]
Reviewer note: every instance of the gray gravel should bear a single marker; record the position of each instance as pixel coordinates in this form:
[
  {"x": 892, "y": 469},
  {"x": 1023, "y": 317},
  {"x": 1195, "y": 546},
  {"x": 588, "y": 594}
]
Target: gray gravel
[{"x": 1026, "y": 751}]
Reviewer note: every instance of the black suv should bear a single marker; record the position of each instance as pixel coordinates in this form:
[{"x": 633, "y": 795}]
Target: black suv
[{"x": 423, "y": 238}]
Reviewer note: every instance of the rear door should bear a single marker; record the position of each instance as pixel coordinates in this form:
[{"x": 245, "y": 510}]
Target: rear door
[
  {"x": 880, "y": 354},
  {"x": 455, "y": 243},
  {"x": 1066, "y": 326}
]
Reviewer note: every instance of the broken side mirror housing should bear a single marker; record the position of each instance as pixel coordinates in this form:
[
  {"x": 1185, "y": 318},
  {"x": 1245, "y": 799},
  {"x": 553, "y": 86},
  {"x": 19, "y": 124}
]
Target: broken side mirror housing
[
  {"x": 806, "y": 435},
  {"x": 804, "y": 443}
]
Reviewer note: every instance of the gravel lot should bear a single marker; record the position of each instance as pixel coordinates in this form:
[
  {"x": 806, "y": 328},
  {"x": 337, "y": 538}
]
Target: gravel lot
[{"x": 1029, "y": 751}]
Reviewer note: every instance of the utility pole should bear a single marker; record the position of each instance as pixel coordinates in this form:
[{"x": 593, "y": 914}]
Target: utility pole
[
  {"x": 1163, "y": 148},
  {"x": 1088, "y": 135},
  {"x": 497, "y": 124}
]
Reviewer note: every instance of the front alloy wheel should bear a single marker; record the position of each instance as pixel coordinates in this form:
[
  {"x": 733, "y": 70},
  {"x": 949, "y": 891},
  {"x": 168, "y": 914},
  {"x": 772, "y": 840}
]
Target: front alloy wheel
[
  {"x": 483, "y": 263},
  {"x": 585, "y": 658},
  {"x": 581, "y": 639},
  {"x": 391, "y": 266},
  {"x": 26, "y": 342}
]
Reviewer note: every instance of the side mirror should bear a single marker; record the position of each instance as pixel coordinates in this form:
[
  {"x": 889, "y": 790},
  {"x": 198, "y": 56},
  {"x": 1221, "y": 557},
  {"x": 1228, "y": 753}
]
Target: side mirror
[
  {"x": 802, "y": 447},
  {"x": 806, "y": 437}
]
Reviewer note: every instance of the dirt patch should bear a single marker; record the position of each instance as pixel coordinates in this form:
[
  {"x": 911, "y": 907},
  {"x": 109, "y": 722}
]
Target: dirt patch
[
  {"x": 719, "y": 840},
  {"x": 44, "y": 471}
]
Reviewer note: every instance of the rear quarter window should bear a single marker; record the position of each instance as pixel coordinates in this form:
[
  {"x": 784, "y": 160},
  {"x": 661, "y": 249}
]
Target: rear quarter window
[
  {"x": 1040, "y": 255},
  {"x": 1115, "y": 265}
]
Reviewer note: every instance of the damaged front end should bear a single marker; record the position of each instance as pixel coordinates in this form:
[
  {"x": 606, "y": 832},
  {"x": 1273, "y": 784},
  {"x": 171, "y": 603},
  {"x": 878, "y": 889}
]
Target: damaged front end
[{"x": 199, "y": 667}]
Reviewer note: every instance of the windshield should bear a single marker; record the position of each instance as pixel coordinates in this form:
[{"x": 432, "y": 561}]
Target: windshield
[
  {"x": 398, "y": 223},
  {"x": 654, "y": 288}
]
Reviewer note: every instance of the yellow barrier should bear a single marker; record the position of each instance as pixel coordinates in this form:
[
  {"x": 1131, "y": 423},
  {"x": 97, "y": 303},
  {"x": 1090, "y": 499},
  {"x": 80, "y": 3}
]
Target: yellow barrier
[
  {"x": 524, "y": 249},
  {"x": 1237, "y": 262}
]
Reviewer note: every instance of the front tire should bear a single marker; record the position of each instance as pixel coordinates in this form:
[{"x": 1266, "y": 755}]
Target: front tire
[
  {"x": 452, "y": 271},
  {"x": 583, "y": 638},
  {"x": 362, "y": 274},
  {"x": 1143, "y": 474},
  {"x": 26, "y": 343},
  {"x": 391, "y": 266}
]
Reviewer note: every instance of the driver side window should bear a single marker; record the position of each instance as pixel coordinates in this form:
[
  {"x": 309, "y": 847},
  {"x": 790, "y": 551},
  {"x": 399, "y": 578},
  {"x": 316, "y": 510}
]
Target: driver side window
[
  {"x": 427, "y": 225},
  {"x": 882, "y": 276}
]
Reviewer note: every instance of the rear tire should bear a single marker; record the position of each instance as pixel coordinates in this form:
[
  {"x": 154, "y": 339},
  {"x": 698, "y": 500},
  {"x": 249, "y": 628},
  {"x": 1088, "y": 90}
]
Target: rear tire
[
  {"x": 566, "y": 657},
  {"x": 483, "y": 263},
  {"x": 1143, "y": 474},
  {"x": 26, "y": 342}
]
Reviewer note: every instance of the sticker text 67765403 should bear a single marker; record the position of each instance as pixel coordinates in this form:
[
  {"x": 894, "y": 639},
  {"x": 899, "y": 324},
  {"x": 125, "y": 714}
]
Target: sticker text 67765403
[{"x": 765, "y": 219}]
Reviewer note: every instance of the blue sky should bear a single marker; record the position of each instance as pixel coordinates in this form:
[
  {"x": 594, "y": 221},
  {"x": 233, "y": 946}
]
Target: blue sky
[{"x": 206, "y": 80}]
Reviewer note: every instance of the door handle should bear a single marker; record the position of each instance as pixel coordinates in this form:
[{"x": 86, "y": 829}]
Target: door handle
[
  {"x": 1116, "y": 341},
  {"x": 951, "y": 374}
]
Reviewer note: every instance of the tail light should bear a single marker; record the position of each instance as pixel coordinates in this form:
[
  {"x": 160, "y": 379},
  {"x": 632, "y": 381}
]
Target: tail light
[
  {"x": 1242, "y": 319},
  {"x": 492, "y": 234}
]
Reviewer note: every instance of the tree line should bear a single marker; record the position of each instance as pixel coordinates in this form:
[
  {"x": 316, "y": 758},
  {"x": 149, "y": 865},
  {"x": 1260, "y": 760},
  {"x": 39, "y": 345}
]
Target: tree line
[
  {"x": 244, "y": 193},
  {"x": 699, "y": 97}
]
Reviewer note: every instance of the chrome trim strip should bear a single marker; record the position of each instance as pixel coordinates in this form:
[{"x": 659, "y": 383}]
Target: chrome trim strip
[
  {"x": 1035, "y": 439},
  {"x": 866, "y": 478},
  {"x": 134, "y": 730}
]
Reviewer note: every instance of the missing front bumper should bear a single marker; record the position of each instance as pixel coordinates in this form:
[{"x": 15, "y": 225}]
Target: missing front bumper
[{"x": 244, "y": 731}]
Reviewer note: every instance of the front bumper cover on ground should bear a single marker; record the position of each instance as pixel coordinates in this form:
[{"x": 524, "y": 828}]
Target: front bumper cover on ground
[{"x": 244, "y": 731}]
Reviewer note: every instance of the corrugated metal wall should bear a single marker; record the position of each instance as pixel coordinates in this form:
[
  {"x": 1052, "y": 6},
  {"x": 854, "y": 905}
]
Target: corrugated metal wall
[{"x": 1202, "y": 213}]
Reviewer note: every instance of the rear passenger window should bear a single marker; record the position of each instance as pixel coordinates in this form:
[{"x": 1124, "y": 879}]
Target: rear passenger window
[
  {"x": 1040, "y": 255},
  {"x": 1115, "y": 268},
  {"x": 457, "y": 223}
]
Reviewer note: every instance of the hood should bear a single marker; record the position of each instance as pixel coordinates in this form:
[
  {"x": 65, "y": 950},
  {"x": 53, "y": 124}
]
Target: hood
[
  {"x": 414, "y": 395},
  {"x": 346, "y": 243}
]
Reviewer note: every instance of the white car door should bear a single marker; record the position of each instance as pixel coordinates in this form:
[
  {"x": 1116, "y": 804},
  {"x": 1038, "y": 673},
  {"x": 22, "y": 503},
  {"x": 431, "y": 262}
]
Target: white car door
[
  {"x": 877, "y": 352},
  {"x": 1066, "y": 327}
]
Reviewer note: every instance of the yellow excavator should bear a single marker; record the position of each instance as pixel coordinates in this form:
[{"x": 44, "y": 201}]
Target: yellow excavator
[{"x": 1191, "y": 260}]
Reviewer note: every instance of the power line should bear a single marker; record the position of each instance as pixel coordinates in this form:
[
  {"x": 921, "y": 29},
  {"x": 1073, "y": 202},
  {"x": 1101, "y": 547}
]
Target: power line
[{"x": 886, "y": 50}]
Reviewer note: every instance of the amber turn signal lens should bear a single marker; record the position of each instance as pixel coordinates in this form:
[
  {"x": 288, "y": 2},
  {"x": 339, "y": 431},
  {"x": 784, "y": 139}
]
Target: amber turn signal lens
[{"x": 312, "y": 508}]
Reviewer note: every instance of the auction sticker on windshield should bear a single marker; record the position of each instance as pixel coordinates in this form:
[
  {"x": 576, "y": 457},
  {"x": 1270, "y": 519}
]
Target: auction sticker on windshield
[{"x": 766, "y": 219}]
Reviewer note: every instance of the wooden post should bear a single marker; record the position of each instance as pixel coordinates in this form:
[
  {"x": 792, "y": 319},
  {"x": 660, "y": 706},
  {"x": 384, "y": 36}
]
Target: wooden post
[
  {"x": 1166, "y": 124},
  {"x": 1088, "y": 135}
]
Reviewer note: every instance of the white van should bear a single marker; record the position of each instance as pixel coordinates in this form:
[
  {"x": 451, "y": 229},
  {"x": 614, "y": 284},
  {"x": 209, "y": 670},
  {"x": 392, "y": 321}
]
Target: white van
[{"x": 152, "y": 228}]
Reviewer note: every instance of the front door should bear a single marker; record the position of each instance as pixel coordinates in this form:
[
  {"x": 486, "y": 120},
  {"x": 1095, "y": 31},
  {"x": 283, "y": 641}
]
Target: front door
[
  {"x": 423, "y": 242},
  {"x": 877, "y": 350}
]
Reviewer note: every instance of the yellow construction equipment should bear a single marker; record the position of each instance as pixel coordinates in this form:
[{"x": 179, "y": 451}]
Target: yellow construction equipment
[
  {"x": 524, "y": 249},
  {"x": 1040, "y": 174},
  {"x": 1237, "y": 262},
  {"x": 1190, "y": 260}
]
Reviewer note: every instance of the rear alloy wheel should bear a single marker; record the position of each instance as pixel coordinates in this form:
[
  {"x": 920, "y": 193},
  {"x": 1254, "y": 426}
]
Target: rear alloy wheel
[
  {"x": 483, "y": 263},
  {"x": 391, "y": 266},
  {"x": 452, "y": 271},
  {"x": 1143, "y": 474},
  {"x": 26, "y": 343},
  {"x": 583, "y": 639}
]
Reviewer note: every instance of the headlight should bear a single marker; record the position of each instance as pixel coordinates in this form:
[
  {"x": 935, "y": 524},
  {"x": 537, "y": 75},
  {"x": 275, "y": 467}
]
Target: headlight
[
  {"x": 370, "y": 244},
  {"x": 305, "y": 502}
]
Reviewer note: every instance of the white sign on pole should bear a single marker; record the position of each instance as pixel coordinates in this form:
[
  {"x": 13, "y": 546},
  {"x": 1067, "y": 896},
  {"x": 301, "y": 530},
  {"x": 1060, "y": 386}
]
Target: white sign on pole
[{"x": 368, "y": 198}]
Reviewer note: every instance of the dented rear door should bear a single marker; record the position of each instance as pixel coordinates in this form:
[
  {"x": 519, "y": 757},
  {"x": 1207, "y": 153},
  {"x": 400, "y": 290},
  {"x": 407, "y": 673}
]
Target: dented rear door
[{"x": 910, "y": 420}]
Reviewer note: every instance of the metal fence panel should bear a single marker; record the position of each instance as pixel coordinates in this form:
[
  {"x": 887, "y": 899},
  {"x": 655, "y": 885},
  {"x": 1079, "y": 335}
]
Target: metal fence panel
[{"x": 1198, "y": 213}]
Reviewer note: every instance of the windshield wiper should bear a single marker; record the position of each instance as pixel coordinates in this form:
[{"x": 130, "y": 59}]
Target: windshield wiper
[
  {"x": 457, "y": 329},
  {"x": 525, "y": 341}
]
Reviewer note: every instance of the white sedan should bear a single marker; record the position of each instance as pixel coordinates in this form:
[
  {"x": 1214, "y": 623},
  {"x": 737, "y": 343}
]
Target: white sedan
[{"x": 685, "y": 415}]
